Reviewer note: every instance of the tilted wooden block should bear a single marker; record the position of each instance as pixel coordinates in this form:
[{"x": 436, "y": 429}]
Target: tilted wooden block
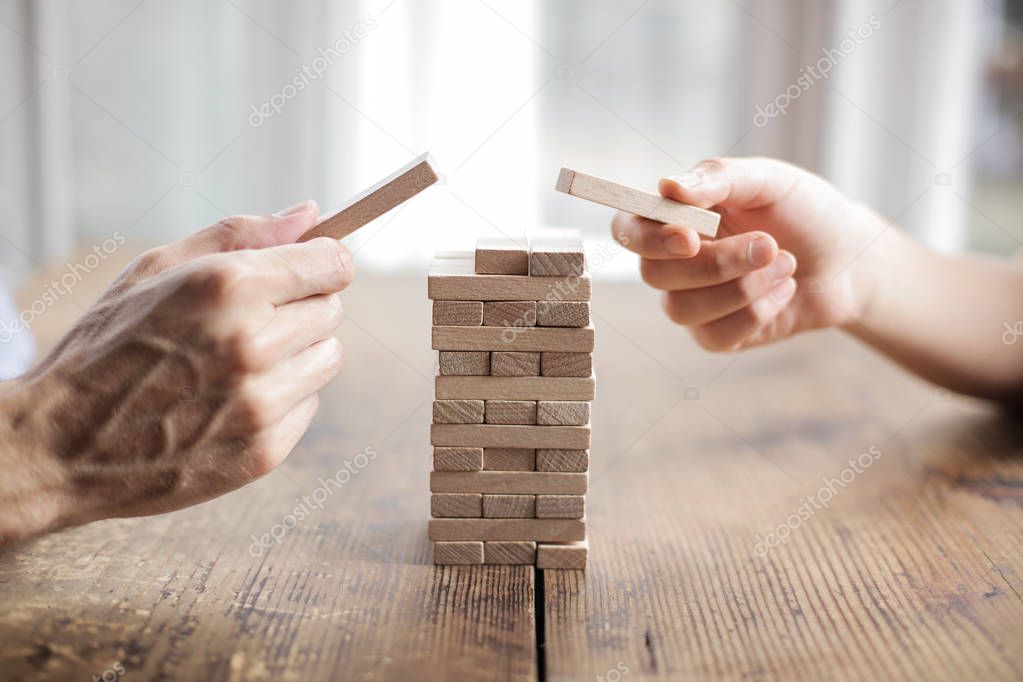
[
  {"x": 569, "y": 556},
  {"x": 515, "y": 388},
  {"x": 511, "y": 436},
  {"x": 631, "y": 200},
  {"x": 501, "y": 256},
  {"x": 457, "y": 412},
  {"x": 456, "y": 505},
  {"x": 514, "y": 553},
  {"x": 488, "y": 530},
  {"x": 562, "y": 314},
  {"x": 513, "y": 507},
  {"x": 509, "y": 314},
  {"x": 464, "y": 363},
  {"x": 509, "y": 459},
  {"x": 556, "y": 364},
  {"x": 514, "y": 364},
  {"x": 457, "y": 459},
  {"x": 458, "y": 553},
  {"x": 458, "y": 313},
  {"x": 560, "y": 460},
  {"x": 508, "y": 482},
  {"x": 577, "y": 340},
  {"x": 563, "y": 412},
  {"x": 453, "y": 279},
  {"x": 396, "y": 188},
  {"x": 557, "y": 253},
  {"x": 555, "y": 506},
  {"x": 510, "y": 412}
]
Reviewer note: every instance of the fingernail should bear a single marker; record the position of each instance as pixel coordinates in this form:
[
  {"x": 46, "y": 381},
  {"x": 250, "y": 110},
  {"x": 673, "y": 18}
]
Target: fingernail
[
  {"x": 783, "y": 292},
  {"x": 687, "y": 180},
  {"x": 677, "y": 244},
  {"x": 759, "y": 252},
  {"x": 292, "y": 210},
  {"x": 783, "y": 266}
]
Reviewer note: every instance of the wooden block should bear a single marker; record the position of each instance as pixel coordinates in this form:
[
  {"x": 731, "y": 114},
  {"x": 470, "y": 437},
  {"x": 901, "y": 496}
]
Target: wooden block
[
  {"x": 563, "y": 412},
  {"x": 516, "y": 388},
  {"x": 555, "y": 506},
  {"x": 509, "y": 459},
  {"x": 557, "y": 253},
  {"x": 508, "y": 482},
  {"x": 510, "y": 412},
  {"x": 458, "y": 459},
  {"x": 514, "y": 364},
  {"x": 514, "y": 553},
  {"x": 465, "y": 363},
  {"x": 488, "y": 530},
  {"x": 569, "y": 556},
  {"x": 511, "y": 436},
  {"x": 456, "y": 505},
  {"x": 457, "y": 412},
  {"x": 453, "y": 279},
  {"x": 509, "y": 314},
  {"x": 631, "y": 200},
  {"x": 513, "y": 507},
  {"x": 373, "y": 202},
  {"x": 501, "y": 256},
  {"x": 556, "y": 364},
  {"x": 562, "y": 314},
  {"x": 458, "y": 313},
  {"x": 558, "y": 460},
  {"x": 458, "y": 553},
  {"x": 514, "y": 338}
]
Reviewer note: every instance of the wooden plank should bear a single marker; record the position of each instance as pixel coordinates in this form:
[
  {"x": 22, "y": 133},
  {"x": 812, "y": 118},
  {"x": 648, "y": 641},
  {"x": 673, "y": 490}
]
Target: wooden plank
[
  {"x": 516, "y": 388},
  {"x": 514, "y": 338},
  {"x": 562, "y": 314},
  {"x": 557, "y": 253},
  {"x": 563, "y": 412},
  {"x": 453, "y": 279},
  {"x": 373, "y": 202},
  {"x": 457, "y": 459},
  {"x": 515, "y": 553},
  {"x": 631, "y": 200},
  {"x": 489, "y": 530},
  {"x": 464, "y": 363},
  {"x": 458, "y": 553},
  {"x": 555, "y": 506},
  {"x": 509, "y": 314},
  {"x": 556, "y": 364},
  {"x": 511, "y": 436},
  {"x": 508, "y": 482},
  {"x": 513, "y": 507},
  {"x": 457, "y": 412},
  {"x": 562, "y": 460},
  {"x": 510, "y": 412},
  {"x": 571, "y": 556},
  {"x": 515, "y": 364},
  {"x": 501, "y": 256},
  {"x": 456, "y": 505},
  {"x": 509, "y": 459},
  {"x": 458, "y": 313}
]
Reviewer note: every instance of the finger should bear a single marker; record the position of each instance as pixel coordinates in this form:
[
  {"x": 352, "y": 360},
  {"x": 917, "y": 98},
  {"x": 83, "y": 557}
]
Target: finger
[
  {"x": 652, "y": 239},
  {"x": 729, "y": 332},
  {"x": 700, "y": 306},
  {"x": 278, "y": 441},
  {"x": 272, "y": 394},
  {"x": 297, "y": 325},
  {"x": 717, "y": 262},
  {"x": 732, "y": 183}
]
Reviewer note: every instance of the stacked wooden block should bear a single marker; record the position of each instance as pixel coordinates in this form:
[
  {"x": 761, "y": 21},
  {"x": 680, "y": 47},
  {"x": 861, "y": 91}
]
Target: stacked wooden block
[{"x": 511, "y": 415}]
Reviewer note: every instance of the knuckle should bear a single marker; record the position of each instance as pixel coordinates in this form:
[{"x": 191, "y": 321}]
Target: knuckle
[
  {"x": 229, "y": 231},
  {"x": 217, "y": 279},
  {"x": 150, "y": 262},
  {"x": 715, "y": 265},
  {"x": 651, "y": 271},
  {"x": 747, "y": 288},
  {"x": 253, "y": 411},
  {"x": 246, "y": 351},
  {"x": 675, "y": 308}
]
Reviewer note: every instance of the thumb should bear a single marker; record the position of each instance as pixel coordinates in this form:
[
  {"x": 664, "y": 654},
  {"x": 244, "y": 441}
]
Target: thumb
[{"x": 746, "y": 184}]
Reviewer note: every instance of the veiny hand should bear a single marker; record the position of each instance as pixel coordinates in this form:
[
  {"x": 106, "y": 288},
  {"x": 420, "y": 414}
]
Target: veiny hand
[
  {"x": 195, "y": 373},
  {"x": 782, "y": 229}
]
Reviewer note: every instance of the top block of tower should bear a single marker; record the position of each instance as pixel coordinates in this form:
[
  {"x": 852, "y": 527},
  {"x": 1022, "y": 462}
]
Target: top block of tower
[
  {"x": 501, "y": 256},
  {"x": 557, "y": 253}
]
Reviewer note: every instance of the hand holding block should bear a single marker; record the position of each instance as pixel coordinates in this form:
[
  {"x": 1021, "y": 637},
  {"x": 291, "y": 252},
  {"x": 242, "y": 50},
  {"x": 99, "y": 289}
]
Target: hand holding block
[
  {"x": 396, "y": 188},
  {"x": 631, "y": 200}
]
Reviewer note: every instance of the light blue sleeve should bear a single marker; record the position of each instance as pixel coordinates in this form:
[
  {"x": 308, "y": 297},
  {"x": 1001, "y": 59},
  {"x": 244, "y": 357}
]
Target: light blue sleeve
[{"x": 17, "y": 348}]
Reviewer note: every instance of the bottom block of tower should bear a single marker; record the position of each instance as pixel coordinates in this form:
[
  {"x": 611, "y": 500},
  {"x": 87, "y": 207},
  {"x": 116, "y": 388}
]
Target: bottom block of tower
[
  {"x": 517, "y": 553},
  {"x": 489, "y": 530},
  {"x": 570, "y": 555},
  {"x": 458, "y": 553}
]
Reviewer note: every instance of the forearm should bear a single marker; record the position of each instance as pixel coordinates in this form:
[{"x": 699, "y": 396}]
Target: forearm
[{"x": 944, "y": 317}]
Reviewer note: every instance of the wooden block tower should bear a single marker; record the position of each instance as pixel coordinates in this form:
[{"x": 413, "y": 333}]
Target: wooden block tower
[{"x": 511, "y": 411}]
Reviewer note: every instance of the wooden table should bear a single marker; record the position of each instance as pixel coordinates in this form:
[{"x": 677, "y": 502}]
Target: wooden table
[{"x": 912, "y": 570}]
